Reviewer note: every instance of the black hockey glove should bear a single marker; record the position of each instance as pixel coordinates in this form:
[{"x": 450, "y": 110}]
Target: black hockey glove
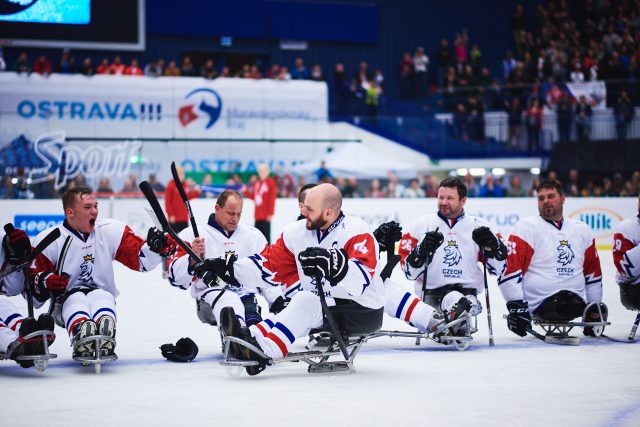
[
  {"x": 518, "y": 319},
  {"x": 47, "y": 285},
  {"x": 211, "y": 268},
  {"x": 593, "y": 315},
  {"x": 424, "y": 251},
  {"x": 490, "y": 244},
  {"x": 185, "y": 350},
  {"x": 16, "y": 244},
  {"x": 160, "y": 242},
  {"x": 279, "y": 304},
  {"x": 332, "y": 264},
  {"x": 387, "y": 235}
]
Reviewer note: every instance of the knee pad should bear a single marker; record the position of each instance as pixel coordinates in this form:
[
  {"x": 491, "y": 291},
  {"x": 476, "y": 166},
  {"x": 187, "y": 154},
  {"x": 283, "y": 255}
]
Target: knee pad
[
  {"x": 205, "y": 313},
  {"x": 562, "y": 306},
  {"x": 630, "y": 296}
]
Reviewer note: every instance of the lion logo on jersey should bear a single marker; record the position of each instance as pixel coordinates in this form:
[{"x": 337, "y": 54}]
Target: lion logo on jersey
[
  {"x": 86, "y": 269},
  {"x": 452, "y": 255},
  {"x": 565, "y": 253}
]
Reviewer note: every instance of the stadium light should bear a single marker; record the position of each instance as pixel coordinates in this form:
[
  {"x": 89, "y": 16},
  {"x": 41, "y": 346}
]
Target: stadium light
[
  {"x": 462, "y": 171},
  {"x": 477, "y": 171},
  {"x": 535, "y": 171},
  {"x": 498, "y": 171}
]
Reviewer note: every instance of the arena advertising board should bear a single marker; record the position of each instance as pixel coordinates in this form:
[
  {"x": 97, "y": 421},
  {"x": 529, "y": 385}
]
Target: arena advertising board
[
  {"x": 115, "y": 126},
  {"x": 601, "y": 214}
]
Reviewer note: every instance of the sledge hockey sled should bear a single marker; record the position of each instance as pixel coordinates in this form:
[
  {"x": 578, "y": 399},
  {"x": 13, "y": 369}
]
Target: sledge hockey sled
[
  {"x": 461, "y": 339},
  {"x": 557, "y": 332},
  {"x": 40, "y": 361},
  {"x": 96, "y": 359},
  {"x": 318, "y": 360}
]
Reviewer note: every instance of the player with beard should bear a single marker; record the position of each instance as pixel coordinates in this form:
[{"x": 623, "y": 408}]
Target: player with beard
[
  {"x": 446, "y": 247},
  {"x": 553, "y": 270},
  {"x": 336, "y": 247},
  {"x": 86, "y": 288}
]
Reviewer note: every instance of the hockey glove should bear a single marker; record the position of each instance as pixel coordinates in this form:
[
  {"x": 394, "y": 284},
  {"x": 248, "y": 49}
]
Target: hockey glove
[
  {"x": 161, "y": 243},
  {"x": 518, "y": 319},
  {"x": 387, "y": 235},
  {"x": 491, "y": 246},
  {"x": 211, "y": 268},
  {"x": 332, "y": 264},
  {"x": 279, "y": 304},
  {"x": 17, "y": 245},
  {"x": 185, "y": 350},
  {"x": 425, "y": 250},
  {"x": 593, "y": 315},
  {"x": 47, "y": 285}
]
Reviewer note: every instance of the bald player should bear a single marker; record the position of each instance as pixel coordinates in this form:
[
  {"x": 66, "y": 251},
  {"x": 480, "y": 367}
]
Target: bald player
[{"x": 337, "y": 248}]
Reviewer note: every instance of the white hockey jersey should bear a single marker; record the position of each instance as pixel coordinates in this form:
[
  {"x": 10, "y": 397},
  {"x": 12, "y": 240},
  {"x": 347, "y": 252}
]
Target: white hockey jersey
[
  {"x": 626, "y": 251},
  {"x": 12, "y": 284},
  {"x": 456, "y": 260},
  {"x": 278, "y": 263},
  {"x": 89, "y": 261},
  {"x": 242, "y": 242},
  {"x": 546, "y": 257}
]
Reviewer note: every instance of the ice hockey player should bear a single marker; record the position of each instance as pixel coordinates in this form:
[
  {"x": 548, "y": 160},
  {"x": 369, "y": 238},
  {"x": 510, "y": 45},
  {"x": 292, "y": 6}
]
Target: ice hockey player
[
  {"x": 446, "y": 246},
  {"x": 405, "y": 305},
  {"x": 15, "y": 250},
  {"x": 626, "y": 257},
  {"x": 86, "y": 289},
  {"x": 553, "y": 269},
  {"x": 221, "y": 237},
  {"x": 336, "y": 247}
]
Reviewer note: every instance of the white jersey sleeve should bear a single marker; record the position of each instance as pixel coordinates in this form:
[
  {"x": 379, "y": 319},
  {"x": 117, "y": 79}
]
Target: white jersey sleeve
[{"x": 626, "y": 251}]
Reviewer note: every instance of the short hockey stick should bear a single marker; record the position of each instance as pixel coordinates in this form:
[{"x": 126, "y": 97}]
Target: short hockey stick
[
  {"x": 48, "y": 239},
  {"x": 146, "y": 189},
  {"x": 634, "y": 328},
  {"x": 60, "y": 267},
  {"x": 424, "y": 280},
  {"x": 185, "y": 199},
  {"x": 156, "y": 223},
  {"x": 330, "y": 319},
  {"x": 486, "y": 295}
]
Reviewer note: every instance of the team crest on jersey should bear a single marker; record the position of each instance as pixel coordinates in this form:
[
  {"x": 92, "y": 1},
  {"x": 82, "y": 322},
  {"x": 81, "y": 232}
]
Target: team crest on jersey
[
  {"x": 452, "y": 255},
  {"x": 86, "y": 269},
  {"x": 565, "y": 253}
]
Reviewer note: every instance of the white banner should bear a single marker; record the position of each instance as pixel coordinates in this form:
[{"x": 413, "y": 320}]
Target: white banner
[
  {"x": 106, "y": 106},
  {"x": 602, "y": 214}
]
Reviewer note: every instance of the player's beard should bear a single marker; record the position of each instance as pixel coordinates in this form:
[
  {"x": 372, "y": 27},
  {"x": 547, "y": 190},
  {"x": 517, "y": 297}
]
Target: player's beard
[
  {"x": 549, "y": 212},
  {"x": 315, "y": 224}
]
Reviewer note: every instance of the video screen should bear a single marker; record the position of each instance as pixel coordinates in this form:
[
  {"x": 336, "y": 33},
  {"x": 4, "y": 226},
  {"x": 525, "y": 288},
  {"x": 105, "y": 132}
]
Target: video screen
[
  {"x": 82, "y": 24},
  {"x": 73, "y": 12}
]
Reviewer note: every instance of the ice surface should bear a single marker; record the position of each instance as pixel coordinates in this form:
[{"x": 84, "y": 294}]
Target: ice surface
[{"x": 518, "y": 382}]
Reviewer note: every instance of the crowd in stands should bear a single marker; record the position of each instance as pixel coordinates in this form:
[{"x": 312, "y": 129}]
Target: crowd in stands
[
  {"x": 423, "y": 185},
  {"x": 592, "y": 40}
]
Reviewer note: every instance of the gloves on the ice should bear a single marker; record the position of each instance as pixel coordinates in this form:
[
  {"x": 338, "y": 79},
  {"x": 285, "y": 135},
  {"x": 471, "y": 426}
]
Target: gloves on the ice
[
  {"x": 211, "y": 268},
  {"x": 16, "y": 244},
  {"x": 519, "y": 318},
  {"x": 593, "y": 315},
  {"x": 160, "y": 242},
  {"x": 185, "y": 350},
  {"x": 489, "y": 243},
  {"x": 423, "y": 253},
  {"x": 47, "y": 284},
  {"x": 332, "y": 264},
  {"x": 387, "y": 235}
]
